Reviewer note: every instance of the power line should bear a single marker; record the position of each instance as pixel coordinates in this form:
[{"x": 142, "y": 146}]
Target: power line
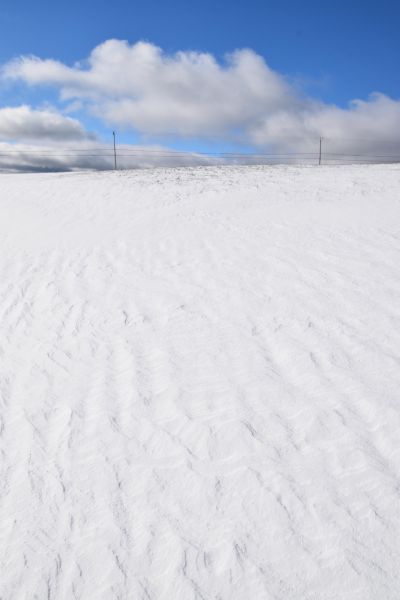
[{"x": 103, "y": 155}]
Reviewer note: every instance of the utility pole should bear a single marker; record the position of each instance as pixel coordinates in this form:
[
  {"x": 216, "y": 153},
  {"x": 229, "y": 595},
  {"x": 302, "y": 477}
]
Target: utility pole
[
  {"x": 320, "y": 150},
  {"x": 115, "y": 153}
]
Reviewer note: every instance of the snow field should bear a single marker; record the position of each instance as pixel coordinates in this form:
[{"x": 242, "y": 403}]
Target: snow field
[{"x": 199, "y": 384}]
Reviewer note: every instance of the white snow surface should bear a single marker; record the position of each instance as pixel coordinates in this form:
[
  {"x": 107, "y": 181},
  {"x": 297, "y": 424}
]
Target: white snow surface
[{"x": 199, "y": 384}]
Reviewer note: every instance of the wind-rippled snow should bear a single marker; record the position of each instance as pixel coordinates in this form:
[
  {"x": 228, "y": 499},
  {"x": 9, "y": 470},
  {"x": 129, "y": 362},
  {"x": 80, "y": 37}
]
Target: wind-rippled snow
[{"x": 199, "y": 384}]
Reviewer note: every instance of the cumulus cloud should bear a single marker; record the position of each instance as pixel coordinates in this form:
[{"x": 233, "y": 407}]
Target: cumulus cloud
[
  {"x": 45, "y": 140},
  {"x": 192, "y": 95},
  {"x": 365, "y": 126},
  {"x": 187, "y": 94},
  {"x": 24, "y": 123}
]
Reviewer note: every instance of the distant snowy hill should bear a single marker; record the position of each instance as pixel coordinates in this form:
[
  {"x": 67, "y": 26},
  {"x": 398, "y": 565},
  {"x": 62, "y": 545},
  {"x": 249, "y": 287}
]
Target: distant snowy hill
[{"x": 199, "y": 384}]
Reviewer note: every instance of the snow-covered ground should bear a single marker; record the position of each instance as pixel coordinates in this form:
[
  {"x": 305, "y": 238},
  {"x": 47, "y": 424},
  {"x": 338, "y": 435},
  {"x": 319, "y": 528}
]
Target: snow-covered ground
[{"x": 200, "y": 384}]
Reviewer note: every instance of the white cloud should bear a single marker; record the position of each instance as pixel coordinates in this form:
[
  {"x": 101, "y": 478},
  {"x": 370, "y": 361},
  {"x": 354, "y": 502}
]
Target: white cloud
[
  {"x": 365, "y": 126},
  {"x": 24, "y": 123},
  {"x": 187, "y": 94},
  {"x": 191, "y": 94},
  {"x": 75, "y": 155}
]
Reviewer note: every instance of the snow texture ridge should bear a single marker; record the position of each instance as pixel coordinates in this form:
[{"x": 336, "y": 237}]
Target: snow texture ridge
[{"x": 199, "y": 385}]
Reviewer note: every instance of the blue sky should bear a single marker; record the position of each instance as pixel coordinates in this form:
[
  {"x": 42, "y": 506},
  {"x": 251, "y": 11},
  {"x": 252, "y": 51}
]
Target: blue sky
[{"x": 332, "y": 52}]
